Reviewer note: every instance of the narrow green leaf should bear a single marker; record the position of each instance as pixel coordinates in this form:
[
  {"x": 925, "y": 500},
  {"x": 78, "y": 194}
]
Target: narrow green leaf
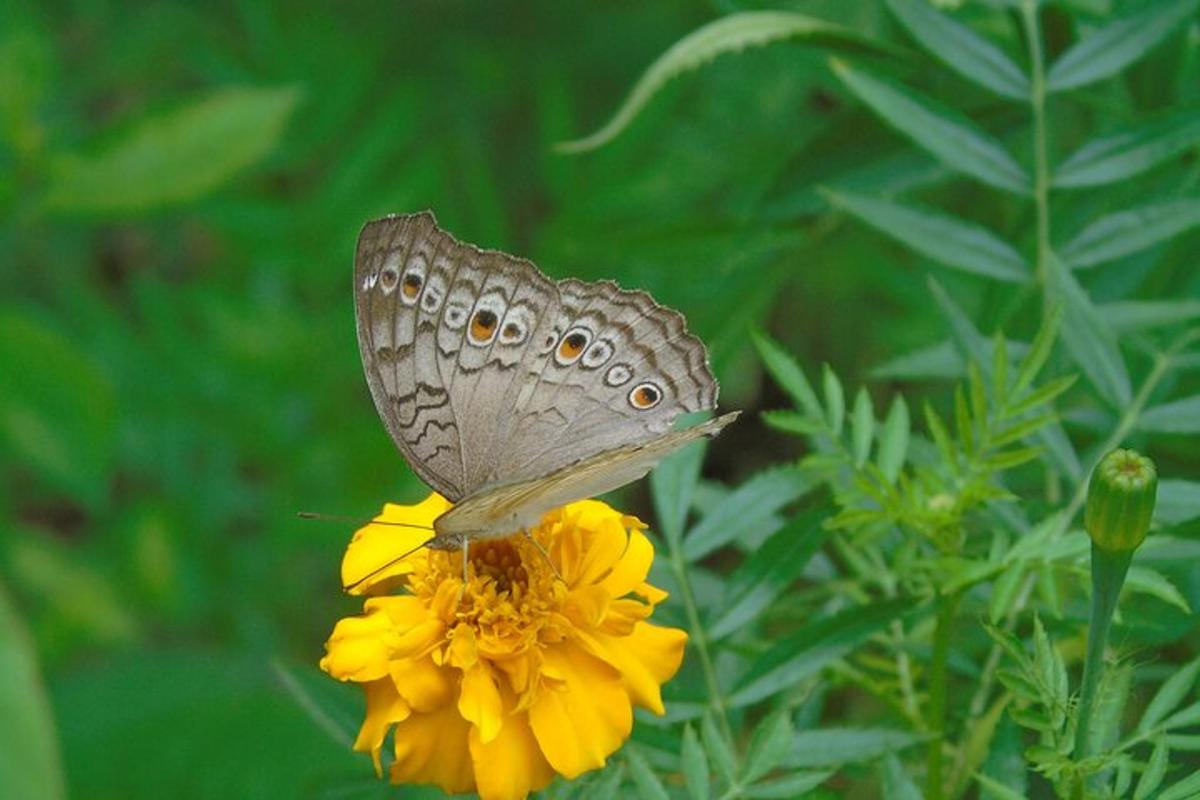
[
  {"x": 962, "y": 420},
  {"x": 835, "y": 400},
  {"x": 950, "y": 241},
  {"x": 1184, "y": 718},
  {"x": 728, "y": 34},
  {"x": 813, "y": 647},
  {"x": 1172, "y": 692},
  {"x": 1149, "y": 581},
  {"x": 795, "y": 785},
  {"x": 1000, "y": 370},
  {"x": 1178, "y": 501},
  {"x": 671, "y": 486},
  {"x": 695, "y": 765},
  {"x": 956, "y": 141},
  {"x": 30, "y": 764},
  {"x": 1178, "y": 416},
  {"x": 1156, "y": 770},
  {"x": 937, "y": 361},
  {"x": 1004, "y": 592},
  {"x": 794, "y": 422},
  {"x": 649, "y": 787},
  {"x": 1186, "y": 789},
  {"x": 1136, "y": 315},
  {"x": 961, "y": 49},
  {"x": 768, "y": 572},
  {"x": 1042, "y": 395},
  {"x": 1039, "y": 351},
  {"x": 979, "y": 404},
  {"x": 941, "y": 437},
  {"x": 971, "y": 343},
  {"x": 895, "y": 780},
  {"x": 787, "y": 373},
  {"x": 720, "y": 751},
  {"x": 176, "y": 157},
  {"x": 1118, "y": 44},
  {"x": 1019, "y": 430},
  {"x": 1130, "y": 231},
  {"x": 607, "y": 785},
  {"x": 1129, "y": 152},
  {"x": 992, "y": 788},
  {"x": 770, "y": 744},
  {"x": 748, "y": 506},
  {"x": 1088, "y": 337},
  {"x": 893, "y": 440},
  {"x": 828, "y": 747},
  {"x": 862, "y": 427}
]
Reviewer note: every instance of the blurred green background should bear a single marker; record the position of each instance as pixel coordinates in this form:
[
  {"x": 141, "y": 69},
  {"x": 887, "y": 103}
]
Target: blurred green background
[{"x": 181, "y": 186}]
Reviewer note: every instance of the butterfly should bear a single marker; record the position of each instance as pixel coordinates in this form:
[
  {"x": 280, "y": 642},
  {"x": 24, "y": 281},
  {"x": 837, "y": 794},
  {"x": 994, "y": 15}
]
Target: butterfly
[{"x": 512, "y": 394}]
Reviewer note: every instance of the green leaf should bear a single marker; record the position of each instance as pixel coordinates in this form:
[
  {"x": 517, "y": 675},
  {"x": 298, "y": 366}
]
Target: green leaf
[
  {"x": 828, "y": 747},
  {"x": 952, "y": 242},
  {"x": 937, "y": 361},
  {"x": 787, "y": 373},
  {"x": 893, "y": 440},
  {"x": 1178, "y": 501},
  {"x": 992, "y": 788},
  {"x": 57, "y": 409},
  {"x": 770, "y": 744},
  {"x": 768, "y": 572},
  {"x": 1130, "y": 231},
  {"x": 719, "y": 749},
  {"x": 835, "y": 400},
  {"x": 1183, "y": 718},
  {"x": 725, "y": 35},
  {"x": 176, "y": 157},
  {"x": 694, "y": 764},
  {"x": 895, "y": 781},
  {"x": 862, "y": 427},
  {"x": 1156, "y": 770},
  {"x": 1186, "y": 789},
  {"x": 1136, "y": 315},
  {"x": 649, "y": 787},
  {"x": 607, "y": 785},
  {"x": 1154, "y": 583},
  {"x": 961, "y": 49},
  {"x": 793, "y": 422},
  {"x": 1129, "y": 152},
  {"x": 1039, "y": 351},
  {"x": 30, "y": 764},
  {"x": 813, "y": 647},
  {"x": 1088, "y": 337},
  {"x": 747, "y": 507},
  {"x": 1179, "y": 416},
  {"x": 672, "y": 483},
  {"x": 1118, "y": 44},
  {"x": 956, "y": 141},
  {"x": 1172, "y": 692},
  {"x": 793, "y": 786}
]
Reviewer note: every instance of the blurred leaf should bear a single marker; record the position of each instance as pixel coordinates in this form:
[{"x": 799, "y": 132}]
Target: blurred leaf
[
  {"x": 1178, "y": 501},
  {"x": 939, "y": 360},
  {"x": 768, "y": 572},
  {"x": 720, "y": 751},
  {"x": 695, "y": 765},
  {"x": 649, "y": 787},
  {"x": 1173, "y": 691},
  {"x": 793, "y": 786},
  {"x": 787, "y": 373},
  {"x": 835, "y": 399},
  {"x": 951, "y": 242},
  {"x": 30, "y": 765},
  {"x": 608, "y": 784},
  {"x": 747, "y": 507},
  {"x": 992, "y": 788},
  {"x": 1130, "y": 231},
  {"x": 1186, "y": 789},
  {"x": 895, "y": 781},
  {"x": 1179, "y": 416},
  {"x": 672, "y": 483},
  {"x": 1122, "y": 155},
  {"x": 725, "y": 35},
  {"x": 862, "y": 426},
  {"x": 811, "y": 648},
  {"x": 1134, "y": 315},
  {"x": 1088, "y": 337},
  {"x": 893, "y": 440},
  {"x": 953, "y": 139},
  {"x": 1118, "y": 44},
  {"x": 322, "y": 699},
  {"x": 829, "y": 747},
  {"x": 1156, "y": 770},
  {"x": 176, "y": 157},
  {"x": 1154, "y": 583},
  {"x": 961, "y": 49},
  {"x": 770, "y": 744}
]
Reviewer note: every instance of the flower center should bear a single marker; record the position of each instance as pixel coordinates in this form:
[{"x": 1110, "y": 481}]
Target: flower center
[{"x": 499, "y": 560}]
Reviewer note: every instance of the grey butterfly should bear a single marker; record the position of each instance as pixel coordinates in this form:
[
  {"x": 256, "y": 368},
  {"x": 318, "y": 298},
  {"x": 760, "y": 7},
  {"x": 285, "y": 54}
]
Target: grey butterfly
[{"x": 512, "y": 394}]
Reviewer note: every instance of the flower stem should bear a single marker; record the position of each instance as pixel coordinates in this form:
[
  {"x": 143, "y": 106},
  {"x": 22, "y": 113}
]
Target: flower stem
[
  {"x": 1041, "y": 164},
  {"x": 1108, "y": 575},
  {"x": 947, "y": 610}
]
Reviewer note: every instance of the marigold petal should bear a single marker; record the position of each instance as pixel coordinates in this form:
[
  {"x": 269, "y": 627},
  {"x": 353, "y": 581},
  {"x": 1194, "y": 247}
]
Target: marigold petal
[
  {"x": 631, "y": 569},
  {"x": 587, "y": 606},
  {"x": 603, "y": 545},
  {"x": 359, "y": 648},
  {"x": 647, "y": 658},
  {"x": 511, "y": 765},
  {"x": 479, "y": 701},
  {"x": 432, "y": 748},
  {"x": 384, "y": 707},
  {"x": 424, "y": 685},
  {"x": 584, "y": 717},
  {"x": 375, "y": 546}
]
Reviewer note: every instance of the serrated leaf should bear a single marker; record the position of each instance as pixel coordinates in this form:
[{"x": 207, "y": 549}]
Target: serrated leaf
[
  {"x": 835, "y": 400},
  {"x": 1118, "y": 44},
  {"x": 787, "y": 373},
  {"x": 728, "y": 34},
  {"x": 649, "y": 787},
  {"x": 746, "y": 507},
  {"x": 719, "y": 750},
  {"x": 175, "y": 157},
  {"x": 1172, "y": 692},
  {"x": 1129, "y": 152},
  {"x": 793, "y": 786},
  {"x": 893, "y": 440},
  {"x": 1178, "y": 416},
  {"x": 961, "y": 49},
  {"x": 811, "y": 648},
  {"x": 694, "y": 764},
  {"x": 769, "y": 745},
  {"x": 1123, "y": 233},
  {"x": 952, "y": 242},
  {"x": 1088, "y": 338},
  {"x": 954, "y": 140},
  {"x": 862, "y": 427},
  {"x": 828, "y": 747}
]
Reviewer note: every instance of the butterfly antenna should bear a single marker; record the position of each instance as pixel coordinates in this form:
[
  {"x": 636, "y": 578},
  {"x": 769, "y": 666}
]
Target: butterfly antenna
[
  {"x": 350, "y": 587},
  {"x": 358, "y": 520}
]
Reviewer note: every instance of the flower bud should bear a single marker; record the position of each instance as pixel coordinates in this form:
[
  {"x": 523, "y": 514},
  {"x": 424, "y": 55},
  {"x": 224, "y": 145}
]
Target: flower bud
[{"x": 1120, "y": 501}]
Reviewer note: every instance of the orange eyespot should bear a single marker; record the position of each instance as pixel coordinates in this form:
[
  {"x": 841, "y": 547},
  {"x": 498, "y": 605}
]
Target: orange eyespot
[
  {"x": 388, "y": 278},
  {"x": 412, "y": 285},
  {"x": 511, "y": 331},
  {"x": 571, "y": 346},
  {"x": 645, "y": 396},
  {"x": 483, "y": 324}
]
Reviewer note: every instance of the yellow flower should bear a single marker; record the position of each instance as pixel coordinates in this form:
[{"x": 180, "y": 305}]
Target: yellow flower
[{"x": 530, "y": 674}]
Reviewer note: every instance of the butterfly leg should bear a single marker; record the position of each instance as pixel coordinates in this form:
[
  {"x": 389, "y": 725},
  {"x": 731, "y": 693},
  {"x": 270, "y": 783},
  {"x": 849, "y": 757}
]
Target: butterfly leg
[
  {"x": 466, "y": 545},
  {"x": 529, "y": 535}
]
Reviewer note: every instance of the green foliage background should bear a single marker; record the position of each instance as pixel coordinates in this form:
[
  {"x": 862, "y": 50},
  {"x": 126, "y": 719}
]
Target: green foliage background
[{"x": 181, "y": 186}]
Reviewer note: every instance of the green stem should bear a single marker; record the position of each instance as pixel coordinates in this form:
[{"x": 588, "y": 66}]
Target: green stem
[
  {"x": 947, "y": 610},
  {"x": 1108, "y": 575},
  {"x": 1041, "y": 164}
]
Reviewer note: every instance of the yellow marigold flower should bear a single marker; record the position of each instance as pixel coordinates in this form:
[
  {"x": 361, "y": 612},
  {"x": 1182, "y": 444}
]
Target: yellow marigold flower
[{"x": 525, "y": 677}]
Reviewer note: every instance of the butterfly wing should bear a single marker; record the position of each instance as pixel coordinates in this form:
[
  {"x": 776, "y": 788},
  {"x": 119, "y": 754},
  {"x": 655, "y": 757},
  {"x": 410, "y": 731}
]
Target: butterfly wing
[{"x": 507, "y": 508}]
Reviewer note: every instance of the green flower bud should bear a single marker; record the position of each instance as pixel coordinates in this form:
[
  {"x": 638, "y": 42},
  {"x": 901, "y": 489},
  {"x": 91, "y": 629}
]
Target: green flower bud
[{"x": 1120, "y": 501}]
